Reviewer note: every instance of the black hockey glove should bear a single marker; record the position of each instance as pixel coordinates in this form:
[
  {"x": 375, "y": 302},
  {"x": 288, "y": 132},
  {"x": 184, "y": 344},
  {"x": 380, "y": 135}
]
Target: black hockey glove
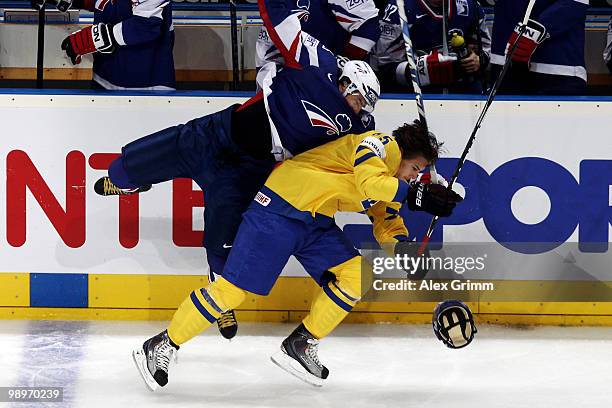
[
  {"x": 94, "y": 38},
  {"x": 415, "y": 266},
  {"x": 61, "y": 5},
  {"x": 37, "y": 4},
  {"x": 432, "y": 198}
]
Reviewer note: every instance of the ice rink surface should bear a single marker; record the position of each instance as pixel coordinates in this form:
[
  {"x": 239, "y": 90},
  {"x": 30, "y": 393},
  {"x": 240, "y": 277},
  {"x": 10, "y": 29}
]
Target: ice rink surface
[{"x": 370, "y": 366}]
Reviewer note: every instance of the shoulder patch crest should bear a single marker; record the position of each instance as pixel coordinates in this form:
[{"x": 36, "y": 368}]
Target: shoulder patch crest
[{"x": 376, "y": 145}]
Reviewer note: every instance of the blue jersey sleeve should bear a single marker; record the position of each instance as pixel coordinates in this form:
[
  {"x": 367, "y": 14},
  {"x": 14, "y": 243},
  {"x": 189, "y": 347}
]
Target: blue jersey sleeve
[
  {"x": 363, "y": 39},
  {"x": 284, "y": 29},
  {"x": 563, "y": 15},
  {"x": 145, "y": 25},
  {"x": 607, "y": 54},
  {"x": 360, "y": 19}
]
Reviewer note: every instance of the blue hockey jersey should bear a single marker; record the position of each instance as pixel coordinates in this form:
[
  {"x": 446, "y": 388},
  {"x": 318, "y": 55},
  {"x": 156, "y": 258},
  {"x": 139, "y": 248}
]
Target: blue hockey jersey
[
  {"x": 607, "y": 54},
  {"x": 563, "y": 52},
  {"x": 304, "y": 105},
  {"x": 466, "y": 17},
  {"x": 335, "y": 23},
  {"x": 145, "y": 36},
  {"x": 307, "y": 110}
]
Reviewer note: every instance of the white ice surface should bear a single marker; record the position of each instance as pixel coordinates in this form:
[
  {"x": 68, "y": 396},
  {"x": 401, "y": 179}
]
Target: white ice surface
[{"x": 370, "y": 366}]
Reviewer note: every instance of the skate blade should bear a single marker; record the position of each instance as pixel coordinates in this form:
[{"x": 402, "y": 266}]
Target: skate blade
[
  {"x": 295, "y": 368},
  {"x": 141, "y": 364}
]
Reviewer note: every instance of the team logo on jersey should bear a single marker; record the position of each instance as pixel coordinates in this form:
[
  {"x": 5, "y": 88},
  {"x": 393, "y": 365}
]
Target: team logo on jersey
[
  {"x": 262, "y": 199},
  {"x": 344, "y": 122},
  {"x": 351, "y": 4},
  {"x": 319, "y": 118},
  {"x": 463, "y": 9},
  {"x": 302, "y": 10},
  {"x": 303, "y": 4},
  {"x": 366, "y": 119}
]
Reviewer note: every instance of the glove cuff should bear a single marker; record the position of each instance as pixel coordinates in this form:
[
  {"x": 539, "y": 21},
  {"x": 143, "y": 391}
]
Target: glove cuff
[
  {"x": 535, "y": 31},
  {"x": 422, "y": 70},
  {"x": 414, "y": 198},
  {"x": 63, "y": 5},
  {"x": 402, "y": 73},
  {"x": 103, "y": 38},
  {"x": 84, "y": 4},
  {"x": 436, "y": 69}
]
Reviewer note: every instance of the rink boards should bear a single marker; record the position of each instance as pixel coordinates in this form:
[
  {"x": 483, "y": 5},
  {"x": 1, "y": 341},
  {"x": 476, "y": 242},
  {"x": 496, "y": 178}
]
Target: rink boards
[{"x": 539, "y": 171}]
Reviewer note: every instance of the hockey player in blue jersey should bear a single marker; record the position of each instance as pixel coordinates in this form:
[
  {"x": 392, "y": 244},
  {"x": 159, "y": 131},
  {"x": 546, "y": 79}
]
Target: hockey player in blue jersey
[
  {"x": 230, "y": 153},
  {"x": 346, "y": 27},
  {"x": 549, "y": 58},
  {"x": 461, "y": 70},
  {"x": 131, "y": 43},
  {"x": 607, "y": 54}
]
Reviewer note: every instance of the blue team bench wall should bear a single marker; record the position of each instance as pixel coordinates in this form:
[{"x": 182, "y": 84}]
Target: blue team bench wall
[
  {"x": 248, "y": 94},
  {"x": 206, "y": 5}
]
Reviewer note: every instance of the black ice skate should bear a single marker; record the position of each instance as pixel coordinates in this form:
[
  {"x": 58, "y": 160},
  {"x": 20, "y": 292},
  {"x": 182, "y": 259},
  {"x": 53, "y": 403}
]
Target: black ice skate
[
  {"x": 298, "y": 356},
  {"x": 228, "y": 325},
  {"x": 153, "y": 359},
  {"x": 105, "y": 187}
]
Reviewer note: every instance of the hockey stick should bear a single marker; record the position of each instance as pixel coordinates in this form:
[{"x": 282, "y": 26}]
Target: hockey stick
[
  {"x": 483, "y": 73},
  {"x": 41, "y": 47},
  {"x": 445, "y": 27},
  {"x": 234, "y": 39},
  {"x": 488, "y": 103},
  {"x": 445, "y": 34},
  {"x": 414, "y": 77}
]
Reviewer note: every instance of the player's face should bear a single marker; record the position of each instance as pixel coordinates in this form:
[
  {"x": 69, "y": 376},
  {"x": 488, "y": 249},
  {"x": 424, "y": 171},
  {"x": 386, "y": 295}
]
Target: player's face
[
  {"x": 410, "y": 168},
  {"x": 355, "y": 100}
]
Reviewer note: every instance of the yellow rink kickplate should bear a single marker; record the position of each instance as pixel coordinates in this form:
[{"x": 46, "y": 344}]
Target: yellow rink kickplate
[{"x": 14, "y": 289}]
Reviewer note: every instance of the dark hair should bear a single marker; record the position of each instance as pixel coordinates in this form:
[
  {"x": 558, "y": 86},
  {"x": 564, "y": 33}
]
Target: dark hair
[{"x": 413, "y": 140}]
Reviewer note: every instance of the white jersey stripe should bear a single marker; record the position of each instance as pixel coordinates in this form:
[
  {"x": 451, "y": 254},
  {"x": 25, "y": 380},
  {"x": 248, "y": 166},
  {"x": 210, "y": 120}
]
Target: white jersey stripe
[
  {"x": 551, "y": 69},
  {"x": 363, "y": 43}
]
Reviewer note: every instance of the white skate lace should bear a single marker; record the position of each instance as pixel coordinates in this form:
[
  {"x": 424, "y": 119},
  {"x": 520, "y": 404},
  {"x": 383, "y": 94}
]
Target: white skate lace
[
  {"x": 312, "y": 349},
  {"x": 164, "y": 354}
]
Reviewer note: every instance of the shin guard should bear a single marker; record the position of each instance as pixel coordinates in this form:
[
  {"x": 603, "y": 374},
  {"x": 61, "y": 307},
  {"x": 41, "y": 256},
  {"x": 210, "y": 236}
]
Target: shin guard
[{"x": 202, "y": 308}]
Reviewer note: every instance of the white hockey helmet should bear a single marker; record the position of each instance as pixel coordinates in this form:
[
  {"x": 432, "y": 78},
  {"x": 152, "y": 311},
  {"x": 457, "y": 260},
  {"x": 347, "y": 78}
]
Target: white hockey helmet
[{"x": 361, "y": 78}]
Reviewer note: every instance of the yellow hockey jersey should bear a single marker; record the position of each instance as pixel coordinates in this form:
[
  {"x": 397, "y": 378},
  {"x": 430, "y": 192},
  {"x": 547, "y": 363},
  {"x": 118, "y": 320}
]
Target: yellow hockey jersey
[{"x": 355, "y": 173}]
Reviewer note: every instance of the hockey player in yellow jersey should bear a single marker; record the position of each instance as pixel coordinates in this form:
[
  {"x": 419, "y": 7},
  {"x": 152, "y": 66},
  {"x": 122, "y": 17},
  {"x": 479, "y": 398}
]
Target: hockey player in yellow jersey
[{"x": 293, "y": 215}]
